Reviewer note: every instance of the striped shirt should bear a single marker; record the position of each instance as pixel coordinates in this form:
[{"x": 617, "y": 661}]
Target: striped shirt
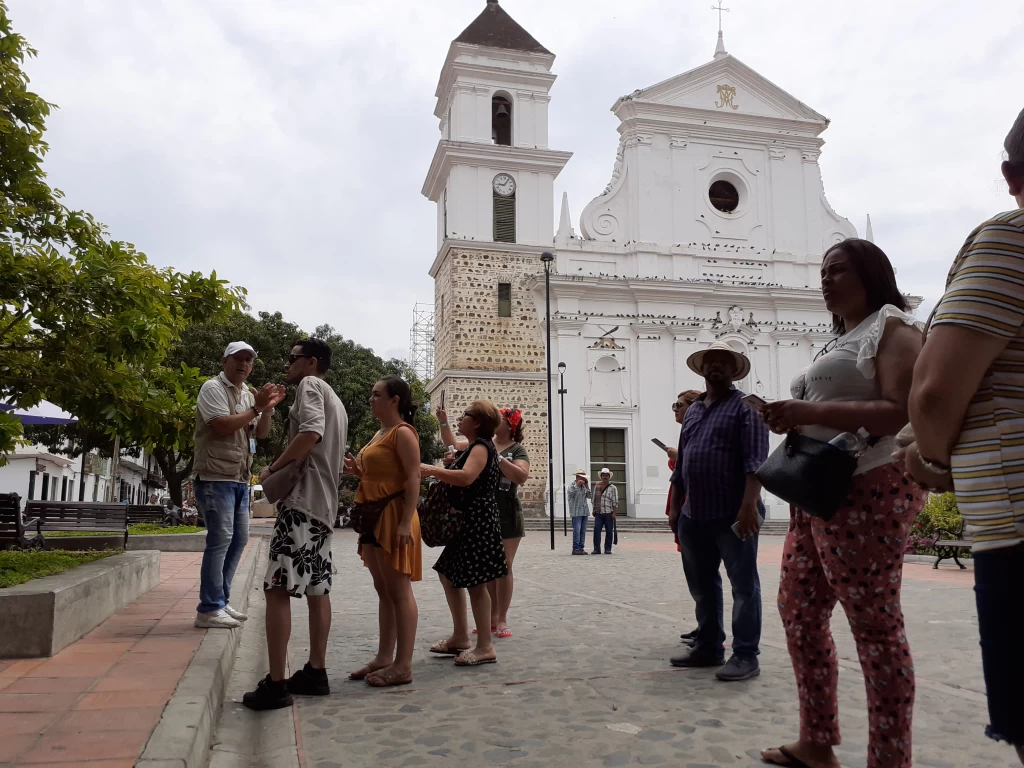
[
  {"x": 985, "y": 292},
  {"x": 605, "y": 499}
]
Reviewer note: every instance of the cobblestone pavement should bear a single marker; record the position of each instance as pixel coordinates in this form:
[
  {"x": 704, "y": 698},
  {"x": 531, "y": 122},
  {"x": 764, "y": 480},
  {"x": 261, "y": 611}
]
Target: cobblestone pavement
[{"x": 585, "y": 681}]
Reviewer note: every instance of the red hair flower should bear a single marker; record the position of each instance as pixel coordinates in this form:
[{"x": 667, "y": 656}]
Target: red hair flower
[{"x": 513, "y": 416}]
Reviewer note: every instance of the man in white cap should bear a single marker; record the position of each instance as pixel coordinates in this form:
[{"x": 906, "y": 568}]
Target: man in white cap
[
  {"x": 968, "y": 419},
  {"x": 606, "y": 506},
  {"x": 229, "y": 419},
  {"x": 580, "y": 495},
  {"x": 721, "y": 445}
]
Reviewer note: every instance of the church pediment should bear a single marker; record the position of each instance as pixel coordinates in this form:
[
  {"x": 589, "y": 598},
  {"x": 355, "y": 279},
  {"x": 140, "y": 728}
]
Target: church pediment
[{"x": 728, "y": 86}]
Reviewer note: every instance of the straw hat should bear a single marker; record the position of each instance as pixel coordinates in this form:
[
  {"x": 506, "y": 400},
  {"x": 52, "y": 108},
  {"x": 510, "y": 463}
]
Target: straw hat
[
  {"x": 606, "y": 471},
  {"x": 695, "y": 362},
  {"x": 582, "y": 473}
]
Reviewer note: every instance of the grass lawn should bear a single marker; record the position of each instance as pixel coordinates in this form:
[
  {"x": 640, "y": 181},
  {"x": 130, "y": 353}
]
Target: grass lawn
[
  {"x": 133, "y": 530},
  {"x": 19, "y": 567}
]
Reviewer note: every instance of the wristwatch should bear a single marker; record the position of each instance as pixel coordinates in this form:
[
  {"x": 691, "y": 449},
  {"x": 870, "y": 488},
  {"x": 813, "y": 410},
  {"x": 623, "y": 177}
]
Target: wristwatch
[
  {"x": 257, "y": 411},
  {"x": 933, "y": 466},
  {"x": 500, "y": 458},
  {"x": 444, "y": 423}
]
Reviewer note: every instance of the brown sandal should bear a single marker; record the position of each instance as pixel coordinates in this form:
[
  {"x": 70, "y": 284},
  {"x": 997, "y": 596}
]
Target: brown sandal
[
  {"x": 385, "y": 678},
  {"x": 469, "y": 659},
  {"x": 365, "y": 670},
  {"x": 442, "y": 648}
]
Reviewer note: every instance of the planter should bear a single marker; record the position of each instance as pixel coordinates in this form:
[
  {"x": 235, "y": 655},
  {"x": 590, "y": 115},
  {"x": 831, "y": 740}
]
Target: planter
[
  {"x": 55, "y": 611},
  {"x": 163, "y": 542}
]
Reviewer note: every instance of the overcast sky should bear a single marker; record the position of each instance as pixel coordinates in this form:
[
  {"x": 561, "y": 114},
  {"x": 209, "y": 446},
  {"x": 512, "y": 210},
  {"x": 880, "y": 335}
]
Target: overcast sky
[{"x": 283, "y": 143}]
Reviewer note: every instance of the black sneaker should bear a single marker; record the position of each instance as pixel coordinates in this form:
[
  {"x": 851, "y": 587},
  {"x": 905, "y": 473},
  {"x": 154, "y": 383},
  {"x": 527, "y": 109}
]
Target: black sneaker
[
  {"x": 739, "y": 668},
  {"x": 691, "y": 635},
  {"x": 697, "y": 658},
  {"x": 268, "y": 695},
  {"x": 309, "y": 681}
]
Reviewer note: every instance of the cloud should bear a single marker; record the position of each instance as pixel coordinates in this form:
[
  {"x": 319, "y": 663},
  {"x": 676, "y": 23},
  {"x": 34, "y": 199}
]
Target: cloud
[{"x": 285, "y": 144}]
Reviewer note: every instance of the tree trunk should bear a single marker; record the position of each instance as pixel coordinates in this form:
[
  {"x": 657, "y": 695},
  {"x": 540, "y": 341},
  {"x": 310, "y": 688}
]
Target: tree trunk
[{"x": 168, "y": 461}]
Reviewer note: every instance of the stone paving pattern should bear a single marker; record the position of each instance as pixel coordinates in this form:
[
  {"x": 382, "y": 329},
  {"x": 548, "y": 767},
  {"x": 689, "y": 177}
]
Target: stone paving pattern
[
  {"x": 96, "y": 703},
  {"x": 585, "y": 681}
]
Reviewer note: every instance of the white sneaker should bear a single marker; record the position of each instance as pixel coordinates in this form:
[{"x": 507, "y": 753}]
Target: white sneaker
[
  {"x": 236, "y": 615},
  {"x": 216, "y": 620}
]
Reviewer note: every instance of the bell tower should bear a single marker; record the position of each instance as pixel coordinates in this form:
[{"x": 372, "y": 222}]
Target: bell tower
[{"x": 492, "y": 178}]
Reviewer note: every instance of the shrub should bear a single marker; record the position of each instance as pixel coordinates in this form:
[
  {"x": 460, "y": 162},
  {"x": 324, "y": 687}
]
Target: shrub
[{"x": 940, "y": 511}]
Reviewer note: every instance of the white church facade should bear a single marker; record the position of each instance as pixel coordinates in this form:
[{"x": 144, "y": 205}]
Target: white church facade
[{"x": 712, "y": 228}]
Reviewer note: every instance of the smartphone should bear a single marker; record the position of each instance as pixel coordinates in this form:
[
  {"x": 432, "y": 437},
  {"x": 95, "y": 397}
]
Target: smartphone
[
  {"x": 442, "y": 400},
  {"x": 735, "y": 527},
  {"x": 754, "y": 402},
  {"x": 660, "y": 444}
]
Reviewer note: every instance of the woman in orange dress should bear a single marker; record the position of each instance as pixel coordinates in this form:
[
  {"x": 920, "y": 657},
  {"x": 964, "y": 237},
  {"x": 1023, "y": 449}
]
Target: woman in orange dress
[{"x": 387, "y": 466}]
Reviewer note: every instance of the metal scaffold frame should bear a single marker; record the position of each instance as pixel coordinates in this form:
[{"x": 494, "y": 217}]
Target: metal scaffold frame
[{"x": 421, "y": 341}]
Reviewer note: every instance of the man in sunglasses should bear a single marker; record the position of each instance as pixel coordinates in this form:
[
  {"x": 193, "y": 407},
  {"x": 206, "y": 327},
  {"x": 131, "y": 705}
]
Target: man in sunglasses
[{"x": 229, "y": 419}]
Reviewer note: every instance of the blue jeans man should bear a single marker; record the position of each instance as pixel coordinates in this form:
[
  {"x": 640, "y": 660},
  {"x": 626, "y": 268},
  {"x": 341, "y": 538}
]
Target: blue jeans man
[
  {"x": 225, "y": 509},
  {"x": 607, "y": 524},
  {"x": 705, "y": 545},
  {"x": 579, "y": 533}
]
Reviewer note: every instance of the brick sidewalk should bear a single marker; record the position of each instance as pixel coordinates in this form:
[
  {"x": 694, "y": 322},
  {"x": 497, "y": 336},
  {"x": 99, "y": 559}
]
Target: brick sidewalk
[{"x": 96, "y": 702}]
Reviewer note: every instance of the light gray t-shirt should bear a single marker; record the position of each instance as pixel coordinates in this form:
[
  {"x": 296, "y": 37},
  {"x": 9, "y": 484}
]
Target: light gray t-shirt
[{"x": 318, "y": 409}]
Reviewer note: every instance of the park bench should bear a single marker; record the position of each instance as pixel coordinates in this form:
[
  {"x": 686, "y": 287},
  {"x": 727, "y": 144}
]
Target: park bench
[
  {"x": 953, "y": 544},
  {"x": 146, "y": 513},
  {"x": 80, "y": 516},
  {"x": 13, "y": 526}
]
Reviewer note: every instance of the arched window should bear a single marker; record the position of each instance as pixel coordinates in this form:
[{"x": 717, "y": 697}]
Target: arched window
[{"x": 501, "y": 120}]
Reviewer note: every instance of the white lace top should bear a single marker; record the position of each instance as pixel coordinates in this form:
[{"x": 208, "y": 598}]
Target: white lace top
[{"x": 847, "y": 373}]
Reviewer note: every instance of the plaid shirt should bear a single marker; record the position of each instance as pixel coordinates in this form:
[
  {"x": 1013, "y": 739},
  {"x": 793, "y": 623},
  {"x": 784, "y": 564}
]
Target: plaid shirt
[
  {"x": 605, "y": 500},
  {"x": 719, "y": 445},
  {"x": 578, "y": 500}
]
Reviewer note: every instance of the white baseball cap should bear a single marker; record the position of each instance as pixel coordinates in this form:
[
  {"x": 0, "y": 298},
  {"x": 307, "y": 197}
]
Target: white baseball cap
[{"x": 238, "y": 346}]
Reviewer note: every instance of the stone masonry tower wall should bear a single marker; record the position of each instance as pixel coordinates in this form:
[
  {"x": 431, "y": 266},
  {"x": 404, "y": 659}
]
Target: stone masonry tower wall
[{"x": 471, "y": 337}]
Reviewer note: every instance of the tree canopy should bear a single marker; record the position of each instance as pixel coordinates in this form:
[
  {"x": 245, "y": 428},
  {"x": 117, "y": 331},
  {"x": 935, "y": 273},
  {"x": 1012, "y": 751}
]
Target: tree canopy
[{"x": 85, "y": 321}]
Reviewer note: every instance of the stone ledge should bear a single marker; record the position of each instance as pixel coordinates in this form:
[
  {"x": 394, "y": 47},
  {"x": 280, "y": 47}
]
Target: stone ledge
[
  {"x": 55, "y": 611},
  {"x": 182, "y": 738},
  {"x": 163, "y": 542}
]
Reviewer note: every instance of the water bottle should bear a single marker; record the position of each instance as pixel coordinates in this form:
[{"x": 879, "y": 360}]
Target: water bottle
[{"x": 849, "y": 442}]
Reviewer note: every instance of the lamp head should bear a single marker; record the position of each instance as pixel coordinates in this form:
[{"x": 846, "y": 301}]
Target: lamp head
[
  {"x": 561, "y": 367},
  {"x": 547, "y": 256}
]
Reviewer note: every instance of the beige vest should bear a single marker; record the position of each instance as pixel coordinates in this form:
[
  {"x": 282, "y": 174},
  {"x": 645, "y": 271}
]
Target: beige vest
[{"x": 222, "y": 457}]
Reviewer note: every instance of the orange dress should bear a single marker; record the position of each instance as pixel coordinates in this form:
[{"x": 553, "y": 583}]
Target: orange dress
[{"x": 382, "y": 477}]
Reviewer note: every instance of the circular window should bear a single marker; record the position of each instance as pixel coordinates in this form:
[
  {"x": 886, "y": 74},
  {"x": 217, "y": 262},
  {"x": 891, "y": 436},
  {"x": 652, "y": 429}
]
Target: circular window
[{"x": 724, "y": 196}]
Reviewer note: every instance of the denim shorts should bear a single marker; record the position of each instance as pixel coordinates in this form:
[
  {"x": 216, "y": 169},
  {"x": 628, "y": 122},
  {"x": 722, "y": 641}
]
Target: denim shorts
[{"x": 999, "y": 591}]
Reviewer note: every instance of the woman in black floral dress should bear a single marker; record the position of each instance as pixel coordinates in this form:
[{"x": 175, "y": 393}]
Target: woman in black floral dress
[{"x": 477, "y": 555}]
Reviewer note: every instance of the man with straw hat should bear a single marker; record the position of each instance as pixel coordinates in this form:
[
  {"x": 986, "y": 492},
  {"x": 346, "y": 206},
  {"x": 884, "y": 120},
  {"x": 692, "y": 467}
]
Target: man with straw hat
[
  {"x": 580, "y": 496},
  {"x": 606, "y": 506},
  {"x": 721, "y": 446},
  {"x": 968, "y": 421}
]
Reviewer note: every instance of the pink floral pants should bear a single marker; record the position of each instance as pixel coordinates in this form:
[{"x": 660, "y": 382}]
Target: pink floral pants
[{"x": 856, "y": 558}]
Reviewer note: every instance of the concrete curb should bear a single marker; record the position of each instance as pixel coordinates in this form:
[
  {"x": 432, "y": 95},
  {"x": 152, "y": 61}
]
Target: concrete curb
[
  {"x": 52, "y": 612},
  {"x": 182, "y": 738},
  {"x": 163, "y": 542}
]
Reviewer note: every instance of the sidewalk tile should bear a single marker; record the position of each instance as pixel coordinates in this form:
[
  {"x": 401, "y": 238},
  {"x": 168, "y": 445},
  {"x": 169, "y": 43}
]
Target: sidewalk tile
[
  {"x": 92, "y": 764},
  {"x": 20, "y": 667},
  {"x": 50, "y": 685},
  {"x": 37, "y": 702},
  {"x": 154, "y": 697},
  {"x": 27, "y": 723},
  {"x": 12, "y": 746},
  {"x": 135, "y": 719},
  {"x": 72, "y": 668},
  {"x": 101, "y": 745}
]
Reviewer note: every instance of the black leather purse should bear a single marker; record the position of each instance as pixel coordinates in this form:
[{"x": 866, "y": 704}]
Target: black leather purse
[{"x": 809, "y": 474}]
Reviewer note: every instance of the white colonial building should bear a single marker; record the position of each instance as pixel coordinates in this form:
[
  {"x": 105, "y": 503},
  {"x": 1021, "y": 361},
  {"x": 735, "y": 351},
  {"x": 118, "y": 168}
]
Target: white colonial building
[{"x": 712, "y": 228}]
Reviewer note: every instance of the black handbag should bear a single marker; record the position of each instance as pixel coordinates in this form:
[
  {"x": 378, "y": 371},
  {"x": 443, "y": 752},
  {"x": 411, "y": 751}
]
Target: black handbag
[{"x": 809, "y": 474}]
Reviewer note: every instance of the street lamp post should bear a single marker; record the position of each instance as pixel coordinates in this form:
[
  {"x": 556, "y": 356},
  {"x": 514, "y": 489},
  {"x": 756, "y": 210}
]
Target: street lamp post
[
  {"x": 565, "y": 502},
  {"x": 547, "y": 257}
]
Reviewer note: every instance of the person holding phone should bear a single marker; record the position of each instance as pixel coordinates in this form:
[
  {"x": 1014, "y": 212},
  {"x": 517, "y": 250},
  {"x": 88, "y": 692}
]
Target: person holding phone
[{"x": 580, "y": 496}]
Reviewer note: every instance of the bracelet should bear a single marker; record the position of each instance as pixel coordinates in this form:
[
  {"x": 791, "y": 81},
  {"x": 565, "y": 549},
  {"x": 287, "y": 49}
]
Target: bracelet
[
  {"x": 444, "y": 423},
  {"x": 933, "y": 466}
]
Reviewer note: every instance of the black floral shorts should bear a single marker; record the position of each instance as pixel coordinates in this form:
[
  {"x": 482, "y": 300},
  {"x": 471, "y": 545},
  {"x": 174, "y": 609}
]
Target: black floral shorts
[{"x": 300, "y": 555}]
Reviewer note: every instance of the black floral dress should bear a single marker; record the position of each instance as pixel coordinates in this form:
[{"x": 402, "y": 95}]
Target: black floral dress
[{"x": 477, "y": 555}]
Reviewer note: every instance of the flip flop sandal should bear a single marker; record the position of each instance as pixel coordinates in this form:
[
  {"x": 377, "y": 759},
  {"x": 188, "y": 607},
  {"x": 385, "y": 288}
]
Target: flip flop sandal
[
  {"x": 471, "y": 660},
  {"x": 385, "y": 679},
  {"x": 794, "y": 761},
  {"x": 441, "y": 647},
  {"x": 359, "y": 674},
  {"x": 493, "y": 630},
  {"x": 506, "y": 632}
]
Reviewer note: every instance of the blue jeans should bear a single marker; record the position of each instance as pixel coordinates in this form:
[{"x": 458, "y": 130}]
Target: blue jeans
[
  {"x": 998, "y": 574},
  {"x": 705, "y": 544},
  {"x": 225, "y": 508},
  {"x": 606, "y": 522},
  {"x": 579, "y": 533}
]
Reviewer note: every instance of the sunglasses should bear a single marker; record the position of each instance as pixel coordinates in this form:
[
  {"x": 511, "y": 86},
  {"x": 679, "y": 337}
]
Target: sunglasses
[
  {"x": 293, "y": 358},
  {"x": 679, "y": 406}
]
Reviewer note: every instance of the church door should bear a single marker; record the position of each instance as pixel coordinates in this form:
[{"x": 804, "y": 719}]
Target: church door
[{"x": 608, "y": 449}]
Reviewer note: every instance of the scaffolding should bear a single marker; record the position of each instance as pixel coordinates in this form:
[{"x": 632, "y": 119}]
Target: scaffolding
[{"x": 421, "y": 341}]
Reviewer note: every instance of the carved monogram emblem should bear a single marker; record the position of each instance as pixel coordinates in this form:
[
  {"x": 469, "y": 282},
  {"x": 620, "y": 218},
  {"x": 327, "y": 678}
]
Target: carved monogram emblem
[{"x": 726, "y": 96}]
